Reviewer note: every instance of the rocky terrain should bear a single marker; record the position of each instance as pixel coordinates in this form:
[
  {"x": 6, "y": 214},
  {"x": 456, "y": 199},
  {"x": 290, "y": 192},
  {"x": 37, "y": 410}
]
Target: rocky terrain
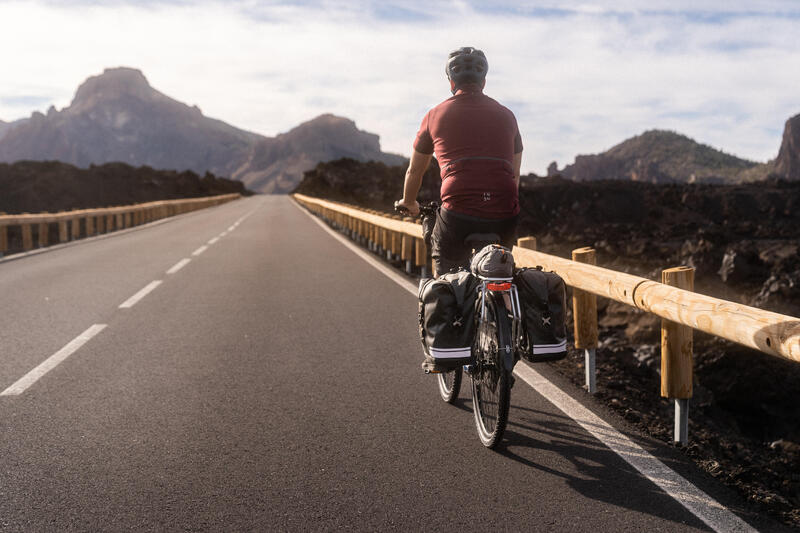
[
  {"x": 743, "y": 241},
  {"x": 118, "y": 117},
  {"x": 50, "y": 186}
]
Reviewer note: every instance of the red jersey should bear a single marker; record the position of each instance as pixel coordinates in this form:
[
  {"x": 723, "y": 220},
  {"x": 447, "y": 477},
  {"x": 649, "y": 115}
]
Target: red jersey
[{"x": 474, "y": 139}]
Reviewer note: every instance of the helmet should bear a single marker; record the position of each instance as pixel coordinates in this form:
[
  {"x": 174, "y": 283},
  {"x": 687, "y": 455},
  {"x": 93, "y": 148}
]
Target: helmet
[{"x": 466, "y": 65}]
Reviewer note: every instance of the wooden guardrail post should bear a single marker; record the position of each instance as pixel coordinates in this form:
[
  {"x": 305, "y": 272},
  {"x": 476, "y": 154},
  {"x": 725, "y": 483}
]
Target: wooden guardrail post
[
  {"x": 63, "y": 234},
  {"x": 43, "y": 234},
  {"x": 676, "y": 356},
  {"x": 421, "y": 256},
  {"x": 3, "y": 239},
  {"x": 90, "y": 226},
  {"x": 584, "y": 311},
  {"x": 407, "y": 250},
  {"x": 27, "y": 237},
  {"x": 527, "y": 242},
  {"x": 75, "y": 228}
]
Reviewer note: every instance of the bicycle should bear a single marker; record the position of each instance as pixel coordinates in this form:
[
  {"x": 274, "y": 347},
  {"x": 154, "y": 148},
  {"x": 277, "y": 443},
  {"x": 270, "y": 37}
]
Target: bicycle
[{"x": 495, "y": 349}]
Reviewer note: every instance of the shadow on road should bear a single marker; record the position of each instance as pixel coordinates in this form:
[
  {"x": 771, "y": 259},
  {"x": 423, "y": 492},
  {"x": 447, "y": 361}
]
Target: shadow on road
[{"x": 538, "y": 439}]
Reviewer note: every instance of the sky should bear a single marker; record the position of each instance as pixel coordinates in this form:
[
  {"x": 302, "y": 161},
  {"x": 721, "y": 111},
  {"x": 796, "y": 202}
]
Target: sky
[{"x": 579, "y": 76}]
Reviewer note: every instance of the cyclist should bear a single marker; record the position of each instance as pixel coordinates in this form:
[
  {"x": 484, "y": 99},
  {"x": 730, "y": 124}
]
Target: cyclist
[{"x": 479, "y": 149}]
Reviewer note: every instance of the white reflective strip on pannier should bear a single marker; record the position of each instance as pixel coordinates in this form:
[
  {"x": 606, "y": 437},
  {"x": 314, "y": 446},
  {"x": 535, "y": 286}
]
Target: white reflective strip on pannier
[
  {"x": 550, "y": 348},
  {"x": 451, "y": 353}
]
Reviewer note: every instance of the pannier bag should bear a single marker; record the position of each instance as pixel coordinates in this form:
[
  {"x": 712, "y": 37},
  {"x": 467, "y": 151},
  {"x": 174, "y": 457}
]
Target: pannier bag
[
  {"x": 493, "y": 261},
  {"x": 447, "y": 317},
  {"x": 543, "y": 300}
]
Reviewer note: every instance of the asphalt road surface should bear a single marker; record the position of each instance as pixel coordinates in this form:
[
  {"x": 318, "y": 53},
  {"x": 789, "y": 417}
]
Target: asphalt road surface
[{"x": 271, "y": 383}]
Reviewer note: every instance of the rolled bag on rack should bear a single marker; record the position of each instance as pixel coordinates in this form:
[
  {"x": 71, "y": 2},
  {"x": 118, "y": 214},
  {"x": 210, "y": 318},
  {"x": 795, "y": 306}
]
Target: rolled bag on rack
[
  {"x": 543, "y": 300},
  {"x": 447, "y": 317}
]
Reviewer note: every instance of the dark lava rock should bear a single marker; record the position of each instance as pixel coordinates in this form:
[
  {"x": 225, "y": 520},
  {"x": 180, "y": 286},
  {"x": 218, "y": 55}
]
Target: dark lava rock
[{"x": 788, "y": 162}]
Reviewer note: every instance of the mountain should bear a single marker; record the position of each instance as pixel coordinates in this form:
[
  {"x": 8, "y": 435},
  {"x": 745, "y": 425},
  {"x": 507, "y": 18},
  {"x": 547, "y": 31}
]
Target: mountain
[
  {"x": 788, "y": 162},
  {"x": 118, "y": 117},
  {"x": 276, "y": 165},
  {"x": 5, "y": 127},
  {"x": 658, "y": 156}
]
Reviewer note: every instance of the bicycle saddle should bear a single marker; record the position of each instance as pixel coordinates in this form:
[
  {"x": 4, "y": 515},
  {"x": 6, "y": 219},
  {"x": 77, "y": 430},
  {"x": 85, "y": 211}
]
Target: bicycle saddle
[{"x": 476, "y": 241}]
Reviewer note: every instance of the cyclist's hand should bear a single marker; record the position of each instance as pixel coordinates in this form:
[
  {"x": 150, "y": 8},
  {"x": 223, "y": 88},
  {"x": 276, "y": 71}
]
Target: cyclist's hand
[{"x": 412, "y": 207}]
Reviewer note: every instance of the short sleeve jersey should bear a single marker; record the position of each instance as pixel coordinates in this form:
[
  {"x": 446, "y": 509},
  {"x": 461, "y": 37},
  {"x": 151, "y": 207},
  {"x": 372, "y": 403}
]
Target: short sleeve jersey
[{"x": 474, "y": 139}]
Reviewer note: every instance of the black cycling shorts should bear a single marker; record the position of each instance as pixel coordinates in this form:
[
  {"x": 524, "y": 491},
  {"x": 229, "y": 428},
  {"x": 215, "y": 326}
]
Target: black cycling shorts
[{"x": 448, "y": 250}]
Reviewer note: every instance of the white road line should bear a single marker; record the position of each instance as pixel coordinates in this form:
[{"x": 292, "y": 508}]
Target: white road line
[
  {"x": 200, "y": 250},
  {"x": 711, "y": 512},
  {"x": 213, "y": 241},
  {"x": 231, "y": 228},
  {"x": 388, "y": 271},
  {"x": 696, "y": 501},
  {"x": 179, "y": 265},
  {"x": 51, "y": 362},
  {"x": 223, "y": 234},
  {"x": 133, "y": 300}
]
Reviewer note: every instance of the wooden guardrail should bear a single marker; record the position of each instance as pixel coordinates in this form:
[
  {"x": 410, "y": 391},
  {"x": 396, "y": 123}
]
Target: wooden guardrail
[
  {"x": 673, "y": 300},
  {"x": 70, "y": 225}
]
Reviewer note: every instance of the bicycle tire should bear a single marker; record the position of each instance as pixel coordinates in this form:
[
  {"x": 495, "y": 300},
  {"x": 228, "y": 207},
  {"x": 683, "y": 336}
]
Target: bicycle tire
[
  {"x": 449, "y": 384},
  {"x": 491, "y": 382}
]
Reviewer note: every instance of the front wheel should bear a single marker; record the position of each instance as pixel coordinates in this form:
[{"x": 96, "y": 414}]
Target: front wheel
[
  {"x": 449, "y": 384},
  {"x": 491, "y": 382}
]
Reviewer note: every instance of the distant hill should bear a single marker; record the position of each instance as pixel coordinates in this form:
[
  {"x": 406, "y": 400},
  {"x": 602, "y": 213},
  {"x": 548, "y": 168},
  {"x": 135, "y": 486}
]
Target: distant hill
[
  {"x": 50, "y": 186},
  {"x": 659, "y": 156},
  {"x": 275, "y": 165},
  {"x": 118, "y": 116}
]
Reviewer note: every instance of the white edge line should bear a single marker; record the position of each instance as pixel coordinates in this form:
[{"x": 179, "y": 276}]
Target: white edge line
[
  {"x": 388, "y": 271},
  {"x": 133, "y": 300},
  {"x": 213, "y": 241},
  {"x": 179, "y": 265},
  {"x": 711, "y": 512},
  {"x": 200, "y": 250},
  {"x": 51, "y": 362}
]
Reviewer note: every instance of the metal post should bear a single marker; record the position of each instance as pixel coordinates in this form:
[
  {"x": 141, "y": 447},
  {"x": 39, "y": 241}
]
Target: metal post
[
  {"x": 423, "y": 272},
  {"x": 409, "y": 266},
  {"x": 388, "y": 255},
  {"x": 591, "y": 381},
  {"x": 682, "y": 421}
]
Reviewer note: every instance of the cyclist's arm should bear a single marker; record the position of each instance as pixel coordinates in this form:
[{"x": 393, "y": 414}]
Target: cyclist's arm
[
  {"x": 416, "y": 169},
  {"x": 517, "y": 167}
]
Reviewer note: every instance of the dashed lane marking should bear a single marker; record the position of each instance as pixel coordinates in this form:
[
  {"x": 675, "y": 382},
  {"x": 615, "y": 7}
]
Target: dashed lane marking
[
  {"x": 51, "y": 362},
  {"x": 179, "y": 265},
  {"x": 200, "y": 250},
  {"x": 213, "y": 241},
  {"x": 133, "y": 300},
  {"x": 711, "y": 512}
]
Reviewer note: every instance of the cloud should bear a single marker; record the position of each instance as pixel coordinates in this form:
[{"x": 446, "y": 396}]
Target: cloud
[{"x": 580, "y": 77}]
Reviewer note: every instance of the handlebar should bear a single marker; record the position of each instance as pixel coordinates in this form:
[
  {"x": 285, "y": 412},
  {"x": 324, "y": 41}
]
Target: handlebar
[{"x": 424, "y": 210}]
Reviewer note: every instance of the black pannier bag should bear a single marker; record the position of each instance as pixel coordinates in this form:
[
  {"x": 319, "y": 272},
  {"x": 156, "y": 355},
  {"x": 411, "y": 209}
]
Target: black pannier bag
[
  {"x": 543, "y": 300},
  {"x": 447, "y": 317},
  {"x": 493, "y": 261}
]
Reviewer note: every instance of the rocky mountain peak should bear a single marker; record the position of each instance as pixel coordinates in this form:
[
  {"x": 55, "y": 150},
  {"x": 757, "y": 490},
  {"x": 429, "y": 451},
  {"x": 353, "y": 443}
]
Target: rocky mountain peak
[
  {"x": 788, "y": 162},
  {"x": 114, "y": 83}
]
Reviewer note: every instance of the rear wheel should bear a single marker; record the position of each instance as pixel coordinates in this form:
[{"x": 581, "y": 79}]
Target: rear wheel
[
  {"x": 491, "y": 383},
  {"x": 449, "y": 384}
]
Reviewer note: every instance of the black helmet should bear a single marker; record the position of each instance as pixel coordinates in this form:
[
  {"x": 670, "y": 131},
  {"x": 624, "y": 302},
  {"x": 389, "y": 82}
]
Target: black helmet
[{"x": 466, "y": 65}]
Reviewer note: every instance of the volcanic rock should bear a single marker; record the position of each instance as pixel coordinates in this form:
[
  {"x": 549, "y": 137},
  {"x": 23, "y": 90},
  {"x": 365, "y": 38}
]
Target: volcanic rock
[{"x": 788, "y": 162}]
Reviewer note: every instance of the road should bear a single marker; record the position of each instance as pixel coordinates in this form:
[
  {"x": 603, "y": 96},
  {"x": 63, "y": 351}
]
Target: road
[{"x": 272, "y": 383}]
